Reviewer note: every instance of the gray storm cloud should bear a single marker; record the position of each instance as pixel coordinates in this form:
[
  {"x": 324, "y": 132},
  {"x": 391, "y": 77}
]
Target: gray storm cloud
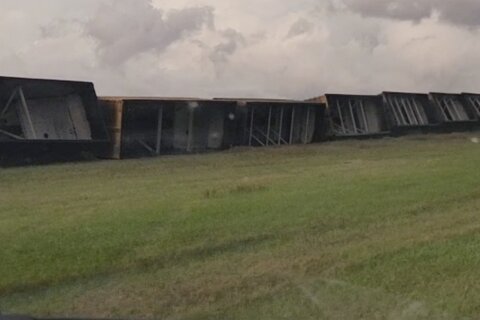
[
  {"x": 251, "y": 48},
  {"x": 460, "y": 12},
  {"x": 301, "y": 26},
  {"x": 232, "y": 40},
  {"x": 123, "y": 29}
]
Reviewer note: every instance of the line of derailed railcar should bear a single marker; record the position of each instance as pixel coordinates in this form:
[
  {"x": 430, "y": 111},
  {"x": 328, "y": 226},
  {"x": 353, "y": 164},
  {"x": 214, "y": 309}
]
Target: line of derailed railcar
[{"x": 56, "y": 120}]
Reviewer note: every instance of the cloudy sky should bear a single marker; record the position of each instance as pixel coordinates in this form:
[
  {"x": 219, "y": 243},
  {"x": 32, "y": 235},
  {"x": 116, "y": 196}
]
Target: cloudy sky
[{"x": 245, "y": 48}]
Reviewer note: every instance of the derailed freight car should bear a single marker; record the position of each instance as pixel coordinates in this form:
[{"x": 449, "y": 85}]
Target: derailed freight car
[
  {"x": 409, "y": 113},
  {"x": 354, "y": 116},
  {"x": 49, "y": 120},
  {"x": 472, "y": 101},
  {"x": 269, "y": 122},
  {"x": 453, "y": 112},
  {"x": 142, "y": 127}
]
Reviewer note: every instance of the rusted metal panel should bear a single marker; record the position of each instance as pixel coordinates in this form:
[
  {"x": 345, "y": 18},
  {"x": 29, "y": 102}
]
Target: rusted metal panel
[
  {"x": 37, "y": 114},
  {"x": 319, "y": 99},
  {"x": 113, "y": 114}
]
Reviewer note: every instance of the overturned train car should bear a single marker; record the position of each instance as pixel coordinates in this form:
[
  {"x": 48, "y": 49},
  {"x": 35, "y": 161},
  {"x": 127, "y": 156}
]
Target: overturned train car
[
  {"x": 142, "y": 127},
  {"x": 359, "y": 116},
  {"x": 49, "y": 120},
  {"x": 429, "y": 113},
  {"x": 399, "y": 113},
  {"x": 409, "y": 113},
  {"x": 262, "y": 123},
  {"x": 472, "y": 102},
  {"x": 453, "y": 112},
  {"x": 53, "y": 120}
]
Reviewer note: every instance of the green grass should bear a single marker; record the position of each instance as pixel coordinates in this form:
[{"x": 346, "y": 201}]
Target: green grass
[{"x": 383, "y": 229}]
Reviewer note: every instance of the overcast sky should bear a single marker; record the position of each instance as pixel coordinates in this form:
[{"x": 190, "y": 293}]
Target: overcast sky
[{"x": 245, "y": 48}]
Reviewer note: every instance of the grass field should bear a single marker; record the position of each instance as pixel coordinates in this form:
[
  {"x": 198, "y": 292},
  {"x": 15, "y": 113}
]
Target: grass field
[{"x": 383, "y": 229}]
